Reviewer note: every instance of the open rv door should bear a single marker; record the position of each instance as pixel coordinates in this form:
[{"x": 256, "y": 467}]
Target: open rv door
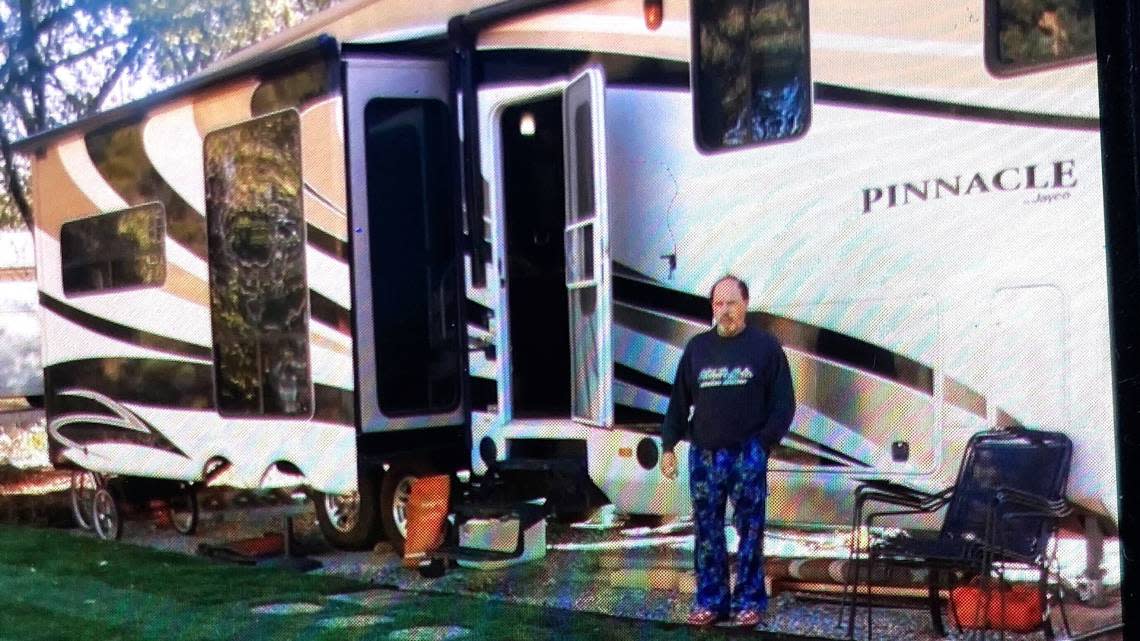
[
  {"x": 406, "y": 259},
  {"x": 587, "y": 249}
]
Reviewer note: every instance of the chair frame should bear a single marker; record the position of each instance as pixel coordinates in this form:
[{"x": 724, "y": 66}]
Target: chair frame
[{"x": 979, "y": 556}]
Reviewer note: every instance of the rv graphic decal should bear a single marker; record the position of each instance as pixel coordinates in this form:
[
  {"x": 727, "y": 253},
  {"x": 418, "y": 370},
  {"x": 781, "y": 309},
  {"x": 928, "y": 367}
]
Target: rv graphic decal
[
  {"x": 826, "y": 93},
  {"x": 1058, "y": 175},
  {"x": 121, "y": 332},
  {"x": 844, "y": 385},
  {"x": 96, "y": 425},
  {"x": 170, "y": 384},
  {"x": 653, "y": 310}
]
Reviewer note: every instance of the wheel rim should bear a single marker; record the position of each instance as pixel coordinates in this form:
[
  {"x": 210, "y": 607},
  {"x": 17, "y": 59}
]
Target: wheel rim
[
  {"x": 343, "y": 511},
  {"x": 83, "y": 486},
  {"x": 106, "y": 514},
  {"x": 400, "y": 504}
]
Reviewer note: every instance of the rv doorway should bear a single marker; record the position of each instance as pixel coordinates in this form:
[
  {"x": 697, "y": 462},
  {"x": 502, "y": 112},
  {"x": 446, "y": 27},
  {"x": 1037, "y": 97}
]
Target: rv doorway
[{"x": 534, "y": 213}]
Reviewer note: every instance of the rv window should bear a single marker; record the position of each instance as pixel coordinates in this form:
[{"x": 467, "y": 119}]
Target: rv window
[
  {"x": 750, "y": 72},
  {"x": 114, "y": 251},
  {"x": 584, "y": 195},
  {"x": 413, "y": 248},
  {"x": 259, "y": 302},
  {"x": 1027, "y": 35}
]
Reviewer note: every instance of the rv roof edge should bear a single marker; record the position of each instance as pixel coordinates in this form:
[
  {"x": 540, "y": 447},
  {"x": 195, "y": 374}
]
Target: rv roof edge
[
  {"x": 322, "y": 46},
  {"x": 488, "y": 16}
]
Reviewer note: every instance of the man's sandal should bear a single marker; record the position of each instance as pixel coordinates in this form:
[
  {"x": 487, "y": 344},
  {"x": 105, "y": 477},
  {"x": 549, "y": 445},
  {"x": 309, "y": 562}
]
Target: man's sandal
[
  {"x": 702, "y": 617},
  {"x": 748, "y": 618}
]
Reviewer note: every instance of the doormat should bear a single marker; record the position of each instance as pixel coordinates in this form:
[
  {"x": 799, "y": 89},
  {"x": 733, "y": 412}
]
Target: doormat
[{"x": 267, "y": 550}]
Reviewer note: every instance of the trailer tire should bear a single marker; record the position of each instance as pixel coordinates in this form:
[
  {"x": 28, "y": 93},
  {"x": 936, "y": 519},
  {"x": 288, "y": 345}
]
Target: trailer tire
[
  {"x": 107, "y": 514},
  {"x": 395, "y": 490},
  {"x": 84, "y": 484},
  {"x": 350, "y": 521},
  {"x": 182, "y": 508}
]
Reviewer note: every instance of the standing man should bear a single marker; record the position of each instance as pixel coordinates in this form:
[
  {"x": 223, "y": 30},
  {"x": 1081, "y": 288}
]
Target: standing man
[{"x": 733, "y": 400}]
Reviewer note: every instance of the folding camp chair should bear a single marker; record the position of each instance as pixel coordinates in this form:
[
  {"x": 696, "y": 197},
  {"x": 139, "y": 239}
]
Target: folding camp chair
[{"x": 1003, "y": 509}]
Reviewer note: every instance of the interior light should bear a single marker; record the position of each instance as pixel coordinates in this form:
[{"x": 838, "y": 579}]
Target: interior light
[{"x": 527, "y": 125}]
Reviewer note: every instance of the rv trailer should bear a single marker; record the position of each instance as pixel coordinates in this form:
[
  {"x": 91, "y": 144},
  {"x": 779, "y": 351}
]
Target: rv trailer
[{"x": 408, "y": 237}]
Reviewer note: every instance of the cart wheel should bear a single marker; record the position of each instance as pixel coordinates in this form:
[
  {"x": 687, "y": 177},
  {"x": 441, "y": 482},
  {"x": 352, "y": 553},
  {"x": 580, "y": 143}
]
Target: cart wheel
[
  {"x": 182, "y": 508},
  {"x": 107, "y": 517},
  {"x": 83, "y": 486}
]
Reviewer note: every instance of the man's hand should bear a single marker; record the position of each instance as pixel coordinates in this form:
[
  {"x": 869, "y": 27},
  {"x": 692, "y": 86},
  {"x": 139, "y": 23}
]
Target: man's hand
[{"x": 669, "y": 464}]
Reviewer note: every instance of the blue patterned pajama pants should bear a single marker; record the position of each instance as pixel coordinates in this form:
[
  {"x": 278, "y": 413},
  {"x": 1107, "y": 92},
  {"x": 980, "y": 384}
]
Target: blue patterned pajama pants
[{"x": 714, "y": 476}]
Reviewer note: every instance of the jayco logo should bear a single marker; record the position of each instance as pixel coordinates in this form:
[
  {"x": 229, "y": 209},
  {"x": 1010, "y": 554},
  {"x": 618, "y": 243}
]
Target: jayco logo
[
  {"x": 724, "y": 376},
  {"x": 1031, "y": 178}
]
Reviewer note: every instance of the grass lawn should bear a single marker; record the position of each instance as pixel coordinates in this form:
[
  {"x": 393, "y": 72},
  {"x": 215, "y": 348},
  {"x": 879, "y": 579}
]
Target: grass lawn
[{"x": 59, "y": 587}]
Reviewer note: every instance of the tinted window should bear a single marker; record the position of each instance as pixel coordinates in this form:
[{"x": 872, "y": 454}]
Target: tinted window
[
  {"x": 412, "y": 241},
  {"x": 584, "y": 157},
  {"x": 119, "y": 250},
  {"x": 1023, "y": 35},
  {"x": 259, "y": 300},
  {"x": 751, "y": 79}
]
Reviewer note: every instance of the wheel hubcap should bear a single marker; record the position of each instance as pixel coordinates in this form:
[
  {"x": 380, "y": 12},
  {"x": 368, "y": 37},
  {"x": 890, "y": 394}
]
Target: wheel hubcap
[
  {"x": 104, "y": 512},
  {"x": 343, "y": 510},
  {"x": 400, "y": 504}
]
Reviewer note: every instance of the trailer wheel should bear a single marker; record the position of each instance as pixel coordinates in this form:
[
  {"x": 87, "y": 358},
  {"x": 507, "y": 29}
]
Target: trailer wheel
[
  {"x": 395, "y": 490},
  {"x": 107, "y": 515},
  {"x": 350, "y": 521},
  {"x": 84, "y": 483},
  {"x": 182, "y": 508}
]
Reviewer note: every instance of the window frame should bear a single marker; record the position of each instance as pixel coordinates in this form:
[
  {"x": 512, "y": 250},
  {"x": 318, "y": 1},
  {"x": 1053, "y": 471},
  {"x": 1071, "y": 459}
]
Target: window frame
[
  {"x": 991, "y": 37},
  {"x": 443, "y": 185},
  {"x": 103, "y": 217},
  {"x": 309, "y": 383},
  {"x": 694, "y": 88}
]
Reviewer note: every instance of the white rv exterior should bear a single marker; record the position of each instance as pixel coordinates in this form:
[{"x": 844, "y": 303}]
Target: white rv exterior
[
  {"x": 989, "y": 305},
  {"x": 929, "y": 249}
]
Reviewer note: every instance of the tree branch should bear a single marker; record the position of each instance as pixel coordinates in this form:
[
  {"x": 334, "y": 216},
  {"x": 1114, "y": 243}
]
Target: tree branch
[
  {"x": 113, "y": 79},
  {"x": 88, "y": 52},
  {"x": 12, "y": 182}
]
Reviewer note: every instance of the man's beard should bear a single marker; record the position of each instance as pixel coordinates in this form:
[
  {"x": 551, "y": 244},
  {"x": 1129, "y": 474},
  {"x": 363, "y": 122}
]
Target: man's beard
[{"x": 728, "y": 331}]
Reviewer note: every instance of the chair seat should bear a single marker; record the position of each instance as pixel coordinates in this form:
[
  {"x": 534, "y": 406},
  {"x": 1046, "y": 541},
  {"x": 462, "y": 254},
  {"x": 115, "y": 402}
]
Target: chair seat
[{"x": 927, "y": 551}]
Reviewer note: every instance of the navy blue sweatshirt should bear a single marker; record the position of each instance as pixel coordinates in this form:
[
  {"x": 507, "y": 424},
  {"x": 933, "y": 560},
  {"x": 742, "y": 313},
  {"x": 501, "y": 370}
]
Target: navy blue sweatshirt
[{"x": 739, "y": 386}]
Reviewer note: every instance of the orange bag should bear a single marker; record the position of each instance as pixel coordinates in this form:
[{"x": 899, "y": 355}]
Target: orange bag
[
  {"x": 1017, "y": 608},
  {"x": 427, "y": 512},
  {"x": 968, "y": 607}
]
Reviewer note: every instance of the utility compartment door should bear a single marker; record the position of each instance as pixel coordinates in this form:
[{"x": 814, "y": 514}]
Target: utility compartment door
[
  {"x": 587, "y": 249},
  {"x": 1027, "y": 369},
  {"x": 407, "y": 279}
]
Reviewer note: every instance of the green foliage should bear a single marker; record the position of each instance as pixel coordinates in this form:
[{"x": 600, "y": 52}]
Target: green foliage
[
  {"x": 9, "y": 215},
  {"x": 1034, "y": 32}
]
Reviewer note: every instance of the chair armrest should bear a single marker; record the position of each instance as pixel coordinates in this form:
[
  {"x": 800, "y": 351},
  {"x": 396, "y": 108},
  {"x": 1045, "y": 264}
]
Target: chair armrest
[
  {"x": 922, "y": 502},
  {"x": 869, "y": 521},
  {"x": 884, "y": 491},
  {"x": 1024, "y": 505},
  {"x": 1036, "y": 504},
  {"x": 887, "y": 486}
]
